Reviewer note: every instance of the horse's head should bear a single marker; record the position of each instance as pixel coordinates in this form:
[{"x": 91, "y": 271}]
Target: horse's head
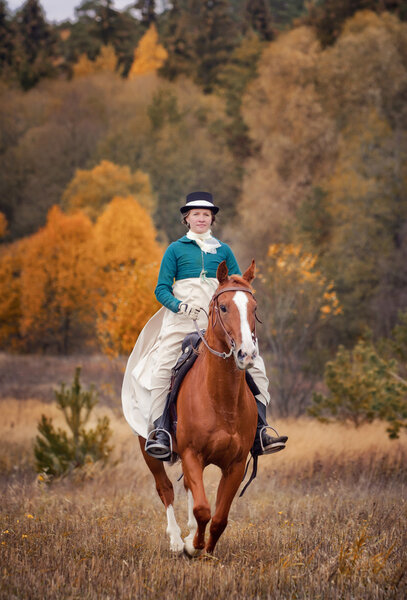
[{"x": 233, "y": 309}]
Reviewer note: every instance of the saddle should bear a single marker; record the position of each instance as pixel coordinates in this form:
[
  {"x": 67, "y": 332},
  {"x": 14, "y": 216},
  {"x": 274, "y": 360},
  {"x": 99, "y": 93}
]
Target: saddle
[{"x": 190, "y": 346}]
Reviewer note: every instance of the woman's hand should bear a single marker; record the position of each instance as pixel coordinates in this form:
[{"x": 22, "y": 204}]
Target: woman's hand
[{"x": 189, "y": 310}]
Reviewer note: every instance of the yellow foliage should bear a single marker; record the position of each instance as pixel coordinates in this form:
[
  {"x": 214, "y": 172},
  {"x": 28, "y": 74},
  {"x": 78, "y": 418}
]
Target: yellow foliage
[
  {"x": 92, "y": 190},
  {"x": 292, "y": 271},
  {"x": 105, "y": 62},
  {"x": 149, "y": 54},
  {"x": 83, "y": 67},
  {"x": 3, "y": 225},
  {"x": 128, "y": 259}
]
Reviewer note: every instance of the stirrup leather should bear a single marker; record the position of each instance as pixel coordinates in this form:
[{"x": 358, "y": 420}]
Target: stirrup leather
[{"x": 151, "y": 440}]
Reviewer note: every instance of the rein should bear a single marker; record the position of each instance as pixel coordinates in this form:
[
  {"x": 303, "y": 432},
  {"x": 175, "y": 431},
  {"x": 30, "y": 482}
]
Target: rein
[{"x": 215, "y": 301}]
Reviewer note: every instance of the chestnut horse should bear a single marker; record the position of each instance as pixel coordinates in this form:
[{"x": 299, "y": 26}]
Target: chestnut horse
[{"x": 217, "y": 414}]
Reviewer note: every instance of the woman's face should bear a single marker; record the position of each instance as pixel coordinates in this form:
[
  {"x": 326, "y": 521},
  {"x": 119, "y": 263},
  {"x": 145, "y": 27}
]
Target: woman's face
[{"x": 199, "y": 220}]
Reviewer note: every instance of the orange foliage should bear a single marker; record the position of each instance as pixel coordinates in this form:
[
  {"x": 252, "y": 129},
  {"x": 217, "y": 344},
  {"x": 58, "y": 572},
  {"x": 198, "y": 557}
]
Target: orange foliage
[
  {"x": 10, "y": 293},
  {"x": 72, "y": 280},
  {"x": 3, "y": 225},
  {"x": 149, "y": 54},
  {"x": 57, "y": 297},
  {"x": 128, "y": 259}
]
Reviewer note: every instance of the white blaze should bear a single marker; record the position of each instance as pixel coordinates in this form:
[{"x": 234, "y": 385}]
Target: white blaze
[{"x": 241, "y": 300}]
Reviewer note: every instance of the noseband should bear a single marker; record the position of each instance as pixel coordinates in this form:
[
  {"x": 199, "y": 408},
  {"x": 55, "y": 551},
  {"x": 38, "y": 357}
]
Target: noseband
[{"x": 216, "y": 312}]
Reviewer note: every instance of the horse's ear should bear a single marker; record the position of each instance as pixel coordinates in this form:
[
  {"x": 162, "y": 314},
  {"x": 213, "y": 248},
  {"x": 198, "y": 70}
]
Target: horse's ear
[
  {"x": 249, "y": 273},
  {"x": 222, "y": 272}
]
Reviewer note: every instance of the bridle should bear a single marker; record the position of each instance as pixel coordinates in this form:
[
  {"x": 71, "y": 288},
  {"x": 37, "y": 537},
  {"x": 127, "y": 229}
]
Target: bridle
[{"x": 216, "y": 315}]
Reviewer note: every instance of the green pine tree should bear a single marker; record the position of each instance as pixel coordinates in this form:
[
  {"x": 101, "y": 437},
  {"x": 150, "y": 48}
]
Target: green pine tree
[
  {"x": 257, "y": 18},
  {"x": 6, "y": 39},
  {"x": 56, "y": 452},
  {"x": 200, "y": 37},
  {"x": 216, "y": 37},
  {"x": 34, "y": 49}
]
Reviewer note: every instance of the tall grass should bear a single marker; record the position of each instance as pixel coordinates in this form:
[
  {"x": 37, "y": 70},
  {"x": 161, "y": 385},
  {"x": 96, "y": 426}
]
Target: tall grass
[{"x": 326, "y": 518}]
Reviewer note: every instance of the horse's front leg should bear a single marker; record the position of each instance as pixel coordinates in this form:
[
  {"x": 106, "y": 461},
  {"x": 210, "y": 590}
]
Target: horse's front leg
[
  {"x": 199, "y": 512},
  {"x": 228, "y": 486},
  {"x": 166, "y": 493}
]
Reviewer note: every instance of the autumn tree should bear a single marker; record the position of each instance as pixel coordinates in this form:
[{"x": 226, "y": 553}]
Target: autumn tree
[
  {"x": 98, "y": 24},
  {"x": 364, "y": 196},
  {"x": 3, "y": 225},
  {"x": 328, "y": 17},
  {"x": 295, "y": 139},
  {"x": 45, "y": 136},
  {"x": 297, "y": 302},
  {"x": 329, "y": 170},
  {"x": 92, "y": 190},
  {"x": 57, "y": 284},
  {"x": 149, "y": 54},
  {"x": 157, "y": 122},
  {"x": 105, "y": 62},
  {"x": 362, "y": 387},
  {"x": 128, "y": 259},
  {"x": 11, "y": 261}
]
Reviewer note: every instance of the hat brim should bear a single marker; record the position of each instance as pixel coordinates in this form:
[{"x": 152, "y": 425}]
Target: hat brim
[{"x": 185, "y": 209}]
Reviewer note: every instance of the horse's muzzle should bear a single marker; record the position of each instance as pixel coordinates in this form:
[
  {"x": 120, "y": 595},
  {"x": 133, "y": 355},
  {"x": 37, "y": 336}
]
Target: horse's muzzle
[{"x": 245, "y": 360}]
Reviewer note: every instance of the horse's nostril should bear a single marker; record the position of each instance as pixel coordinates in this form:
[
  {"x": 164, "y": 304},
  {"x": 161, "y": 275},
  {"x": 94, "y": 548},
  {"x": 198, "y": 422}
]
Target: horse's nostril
[{"x": 241, "y": 355}]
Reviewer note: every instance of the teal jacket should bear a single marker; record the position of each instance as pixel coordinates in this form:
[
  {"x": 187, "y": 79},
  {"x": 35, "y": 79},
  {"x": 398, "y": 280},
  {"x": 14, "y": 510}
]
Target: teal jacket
[{"x": 184, "y": 259}]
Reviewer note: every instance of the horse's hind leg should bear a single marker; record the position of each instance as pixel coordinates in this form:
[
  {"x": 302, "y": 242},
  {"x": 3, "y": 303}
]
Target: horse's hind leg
[
  {"x": 166, "y": 493},
  {"x": 228, "y": 486}
]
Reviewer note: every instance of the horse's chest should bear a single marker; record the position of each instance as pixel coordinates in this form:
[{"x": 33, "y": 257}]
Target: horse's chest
[{"x": 223, "y": 443}]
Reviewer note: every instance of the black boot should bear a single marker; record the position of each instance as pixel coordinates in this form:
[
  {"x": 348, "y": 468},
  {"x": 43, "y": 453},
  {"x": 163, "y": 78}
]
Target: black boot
[
  {"x": 264, "y": 443},
  {"x": 159, "y": 443}
]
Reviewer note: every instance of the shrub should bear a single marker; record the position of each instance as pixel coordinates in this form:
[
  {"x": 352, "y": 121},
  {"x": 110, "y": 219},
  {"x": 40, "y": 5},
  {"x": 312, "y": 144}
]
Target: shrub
[
  {"x": 56, "y": 452},
  {"x": 362, "y": 387}
]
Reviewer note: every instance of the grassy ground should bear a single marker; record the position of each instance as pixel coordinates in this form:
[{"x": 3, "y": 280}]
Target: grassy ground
[{"x": 326, "y": 518}]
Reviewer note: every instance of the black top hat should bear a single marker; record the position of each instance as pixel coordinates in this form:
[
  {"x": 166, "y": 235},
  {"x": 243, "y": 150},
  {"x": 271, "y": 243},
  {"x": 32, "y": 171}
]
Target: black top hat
[{"x": 199, "y": 200}]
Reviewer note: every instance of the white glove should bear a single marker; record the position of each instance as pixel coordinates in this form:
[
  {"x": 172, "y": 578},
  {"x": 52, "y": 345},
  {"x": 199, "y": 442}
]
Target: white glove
[{"x": 189, "y": 310}]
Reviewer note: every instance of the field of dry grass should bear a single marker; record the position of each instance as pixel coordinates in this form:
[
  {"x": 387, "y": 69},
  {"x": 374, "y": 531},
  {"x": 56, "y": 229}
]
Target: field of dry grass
[{"x": 326, "y": 518}]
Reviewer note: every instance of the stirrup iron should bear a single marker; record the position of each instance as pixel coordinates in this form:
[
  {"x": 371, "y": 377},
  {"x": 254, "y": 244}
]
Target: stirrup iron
[{"x": 152, "y": 440}]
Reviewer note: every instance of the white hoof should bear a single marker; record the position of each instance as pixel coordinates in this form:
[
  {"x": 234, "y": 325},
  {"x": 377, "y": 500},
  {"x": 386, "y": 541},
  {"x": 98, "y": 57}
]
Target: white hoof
[
  {"x": 189, "y": 548},
  {"x": 177, "y": 546}
]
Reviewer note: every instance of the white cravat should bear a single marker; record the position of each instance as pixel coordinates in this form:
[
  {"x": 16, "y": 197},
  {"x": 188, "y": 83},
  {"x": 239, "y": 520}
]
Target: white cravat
[{"x": 205, "y": 241}]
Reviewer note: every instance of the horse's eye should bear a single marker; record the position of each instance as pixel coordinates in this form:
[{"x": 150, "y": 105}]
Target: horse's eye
[{"x": 223, "y": 308}]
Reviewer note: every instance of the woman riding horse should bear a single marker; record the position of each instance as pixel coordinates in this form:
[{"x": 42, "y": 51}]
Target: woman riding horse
[{"x": 186, "y": 284}]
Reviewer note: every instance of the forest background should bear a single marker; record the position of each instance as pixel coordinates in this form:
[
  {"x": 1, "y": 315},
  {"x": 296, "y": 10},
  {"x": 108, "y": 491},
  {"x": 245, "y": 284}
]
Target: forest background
[{"x": 292, "y": 114}]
